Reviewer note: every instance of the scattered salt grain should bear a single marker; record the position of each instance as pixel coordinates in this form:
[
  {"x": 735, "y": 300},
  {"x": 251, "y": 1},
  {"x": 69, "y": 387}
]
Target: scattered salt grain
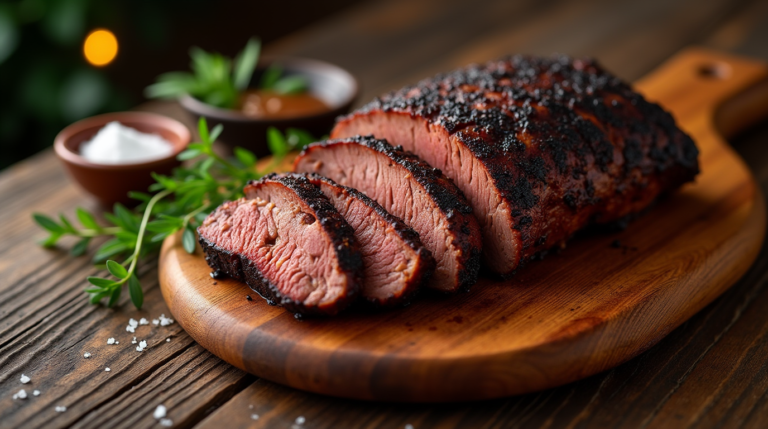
[
  {"x": 254, "y": 416},
  {"x": 167, "y": 340},
  {"x": 86, "y": 355},
  {"x": 118, "y": 144},
  {"x": 107, "y": 369},
  {"x": 300, "y": 420},
  {"x": 142, "y": 345},
  {"x": 111, "y": 341},
  {"x": 61, "y": 409},
  {"x": 143, "y": 321},
  {"x": 159, "y": 412},
  {"x": 21, "y": 395},
  {"x": 165, "y": 321},
  {"x": 36, "y": 392},
  {"x": 133, "y": 322},
  {"x": 134, "y": 341},
  {"x": 24, "y": 379},
  {"x": 166, "y": 423},
  {"x": 131, "y": 329},
  {"x": 155, "y": 322}
]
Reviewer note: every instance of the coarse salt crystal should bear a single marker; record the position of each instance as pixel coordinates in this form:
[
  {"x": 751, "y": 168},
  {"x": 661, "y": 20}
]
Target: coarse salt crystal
[
  {"x": 142, "y": 345},
  {"x": 254, "y": 416},
  {"x": 134, "y": 341},
  {"x": 159, "y": 412},
  {"x": 24, "y": 379},
  {"x": 107, "y": 369},
  {"x": 36, "y": 392},
  {"x": 155, "y": 322},
  {"x": 133, "y": 322},
  {"x": 118, "y": 144},
  {"x": 143, "y": 321},
  {"x": 166, "y": 423},
  {"x": 131, "y": 329},
  {"x": 111, "y": 341},
  {"x": 300, "y": 420},
  {"x": 86, "y": 355},
  {"x": 61, "y": 409},
  {"x": 165, "y": 321},
  {"x": 167, "y": 340}
]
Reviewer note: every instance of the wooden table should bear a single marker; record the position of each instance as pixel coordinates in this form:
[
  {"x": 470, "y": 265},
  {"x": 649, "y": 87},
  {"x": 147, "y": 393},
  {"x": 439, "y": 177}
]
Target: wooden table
[{"x": 712, "y": 371}]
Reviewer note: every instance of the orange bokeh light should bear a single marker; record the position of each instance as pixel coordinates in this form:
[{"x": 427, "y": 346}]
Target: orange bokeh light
[{"x": 100, "y": 47}]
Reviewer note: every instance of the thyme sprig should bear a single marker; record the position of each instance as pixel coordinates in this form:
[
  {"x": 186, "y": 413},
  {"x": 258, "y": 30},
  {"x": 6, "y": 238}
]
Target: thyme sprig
[{"x": 180, "y": 202}]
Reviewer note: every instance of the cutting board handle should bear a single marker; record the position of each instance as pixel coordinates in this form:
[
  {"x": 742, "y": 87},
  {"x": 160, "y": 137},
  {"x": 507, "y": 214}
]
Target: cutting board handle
[{"x": 733, "y": 90}]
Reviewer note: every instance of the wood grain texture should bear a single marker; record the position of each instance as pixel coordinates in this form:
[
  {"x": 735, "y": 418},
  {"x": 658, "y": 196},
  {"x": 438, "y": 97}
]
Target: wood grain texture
[{"x": 575, "y": 314}]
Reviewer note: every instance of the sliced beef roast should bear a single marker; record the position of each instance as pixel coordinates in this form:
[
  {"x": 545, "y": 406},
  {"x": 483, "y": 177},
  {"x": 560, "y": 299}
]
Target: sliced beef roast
[
  {"x": 395, "y": 263},
  {"x": 541, "y": 147},
  {"x": 412, "y": 190},
  {"x": 288, "y": 243}
]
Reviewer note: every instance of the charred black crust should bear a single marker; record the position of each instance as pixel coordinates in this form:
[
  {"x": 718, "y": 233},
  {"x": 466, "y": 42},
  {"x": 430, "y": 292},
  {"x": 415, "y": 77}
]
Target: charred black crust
[
  {"x": 533, "y": 122},
  {"x": 338, "y": 230},
  {"x": 410, "y": 237},
  {"x": 448, "y": 197}
]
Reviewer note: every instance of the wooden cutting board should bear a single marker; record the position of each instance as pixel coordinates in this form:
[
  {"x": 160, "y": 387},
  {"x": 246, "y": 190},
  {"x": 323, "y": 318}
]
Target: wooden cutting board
[{"x": 587, "y": 309}]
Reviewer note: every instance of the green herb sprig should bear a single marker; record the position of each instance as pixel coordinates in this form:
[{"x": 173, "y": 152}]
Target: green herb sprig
[
  {"x": 179, "y": 203},
  {"x": 218, "y": 80}
]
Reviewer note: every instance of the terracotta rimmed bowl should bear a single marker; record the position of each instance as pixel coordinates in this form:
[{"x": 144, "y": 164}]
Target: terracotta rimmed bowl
[
  {"x": 110, "y": 183},
  {"x": 332, "y": 84}
]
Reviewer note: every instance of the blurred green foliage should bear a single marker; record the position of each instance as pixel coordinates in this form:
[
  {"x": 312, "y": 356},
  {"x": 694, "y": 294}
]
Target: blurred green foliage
[{"x": 47, "y": 83}]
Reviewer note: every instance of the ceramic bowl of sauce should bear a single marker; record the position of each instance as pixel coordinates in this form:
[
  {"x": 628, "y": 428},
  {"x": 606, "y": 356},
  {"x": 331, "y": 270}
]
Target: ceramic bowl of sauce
[
  {"x": 110, "y": 180},
  {"x": 331, "y": 92}
]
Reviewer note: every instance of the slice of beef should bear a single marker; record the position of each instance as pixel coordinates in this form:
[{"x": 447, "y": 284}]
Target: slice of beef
[
  {"x": 395, "y": 263},
  {"x": 412, "y": 190},
  {"x": 541, "y": 147},
  {"x": 288, "y": 243}
]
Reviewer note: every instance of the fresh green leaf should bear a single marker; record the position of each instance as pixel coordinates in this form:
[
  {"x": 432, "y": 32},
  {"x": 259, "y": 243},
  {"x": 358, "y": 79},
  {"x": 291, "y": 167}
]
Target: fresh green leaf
[
  {"x": 51, "y": 240},
  {"x": 202, "y": 130},
  {"x": 68, "y": 227},
  {"x": 116, "y": 269},
  {"x": 276, "y": 142},
  {"x": 294, "y": 84},
  {"x": 80, "y": 248},
  {"x": 245, "y": 64},
  {"x": 297, "y": 138},
  {"x": 87, "y": 219},
  {"x": 270, "y": 76},
  {"x": 245, "y": 156},
  {"x": 47, "y": 223},
  {"x": 215, "y": 133},
  {"x": 141, "y": 196},
  {"x": 110, "y": 248},
  {"x": 127, "y": 219},
  {"x": 134, "y": 289},
  {"x": 188, "y": 240},
  {"x": 188, "y": 154},
  {"x": 93, "y": 290},
  {"x": 97, "y": 297},
  {"x": 114, "y": 296},
  {"x": 100, "y": 282}
]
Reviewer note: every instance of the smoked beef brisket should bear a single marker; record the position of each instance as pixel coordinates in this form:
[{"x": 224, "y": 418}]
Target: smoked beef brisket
[
  {"x": 412, "y": 190},
  {"x": 288, "y": 243},
  {"x": 395, "y": 263},
  {"x": 541, "y": 147}
]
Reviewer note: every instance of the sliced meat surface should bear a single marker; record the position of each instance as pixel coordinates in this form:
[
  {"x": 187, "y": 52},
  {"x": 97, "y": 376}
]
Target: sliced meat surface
[
  {"x": 412, "y": 190},
  {"x": 395, "y": 262},
  {"x": 541, "y": 147},
  {"x": 288, "y": 243}
]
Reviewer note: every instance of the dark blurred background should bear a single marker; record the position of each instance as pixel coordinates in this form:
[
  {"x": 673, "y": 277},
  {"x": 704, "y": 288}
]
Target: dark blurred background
[{"x": 46, "y": 82}]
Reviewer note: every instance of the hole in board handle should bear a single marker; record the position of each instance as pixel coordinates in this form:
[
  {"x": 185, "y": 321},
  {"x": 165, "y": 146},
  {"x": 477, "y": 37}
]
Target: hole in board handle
[{"x": 714, "y": 71}]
